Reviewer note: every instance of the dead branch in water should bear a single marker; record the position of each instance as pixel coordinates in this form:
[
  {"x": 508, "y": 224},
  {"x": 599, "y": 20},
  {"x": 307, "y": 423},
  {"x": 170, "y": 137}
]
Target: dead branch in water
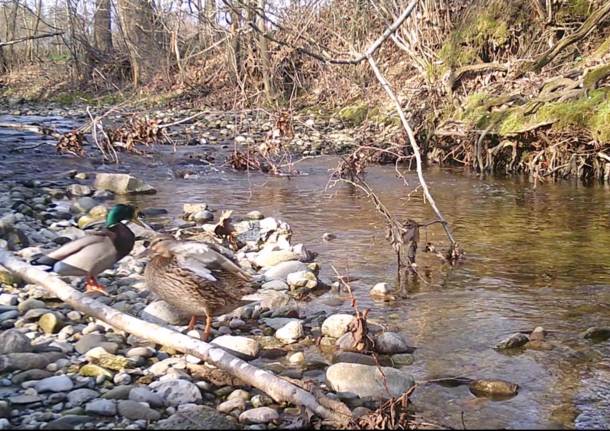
[{"x": 279, "y": 389}]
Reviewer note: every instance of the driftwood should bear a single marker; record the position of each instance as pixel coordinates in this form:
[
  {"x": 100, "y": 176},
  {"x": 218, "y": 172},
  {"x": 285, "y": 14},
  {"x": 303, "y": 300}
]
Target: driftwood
[{"x": 279, "y": 389}]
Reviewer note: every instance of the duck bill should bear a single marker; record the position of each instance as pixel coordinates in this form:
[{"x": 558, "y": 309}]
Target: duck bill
[{"x": 143, "y": 253}]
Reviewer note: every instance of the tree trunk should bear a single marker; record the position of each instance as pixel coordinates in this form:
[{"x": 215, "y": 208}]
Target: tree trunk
[
  {"x": 146, "y": 41},
  {"x": 264, "y": 53},
  {"x": 235, "y": 49},
  {"x": 102, "y": 32}
]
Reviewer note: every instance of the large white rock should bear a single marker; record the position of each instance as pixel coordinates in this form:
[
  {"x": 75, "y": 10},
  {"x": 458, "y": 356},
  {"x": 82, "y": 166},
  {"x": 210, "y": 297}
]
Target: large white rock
[
  {"x": 336, "y": 325},
  {"x": 367, "y": 380},
  {"x": 261, "y": 415},
  {"x": 162, "y": 312},
  {"x": 391, "y": 343},
  {"x": 281, "y": 270},
  {"x": 244, "y": 346},
  {"x": 290, "y": 332},
  {"x": 122, "y": 184},
  {"x": 271, "y": 258}
]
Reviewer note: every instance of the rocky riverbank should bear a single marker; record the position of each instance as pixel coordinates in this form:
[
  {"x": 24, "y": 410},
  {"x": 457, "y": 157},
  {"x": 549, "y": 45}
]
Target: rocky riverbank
[
  {"x": 62, "y": 369},
  {"x": 302, "y": 133}
]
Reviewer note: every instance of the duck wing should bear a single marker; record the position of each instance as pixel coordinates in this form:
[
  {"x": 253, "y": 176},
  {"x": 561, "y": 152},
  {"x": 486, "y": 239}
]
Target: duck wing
[
  {"x": 88, "y": 255},
  {"x": 206, "y": 259}
]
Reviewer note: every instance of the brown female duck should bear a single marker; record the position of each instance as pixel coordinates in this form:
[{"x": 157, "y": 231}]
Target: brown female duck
[{"x": 196, "y": 278}]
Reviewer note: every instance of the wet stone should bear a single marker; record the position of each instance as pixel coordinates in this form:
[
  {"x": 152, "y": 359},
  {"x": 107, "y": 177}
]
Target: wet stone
[
  {"x": 137, "y": 411},
  {"x": 514, "y": 341},
  {"x": 493, "y": 388}
]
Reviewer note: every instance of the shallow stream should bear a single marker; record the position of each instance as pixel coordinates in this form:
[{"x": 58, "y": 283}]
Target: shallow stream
[{"x": 534, "y": 257}]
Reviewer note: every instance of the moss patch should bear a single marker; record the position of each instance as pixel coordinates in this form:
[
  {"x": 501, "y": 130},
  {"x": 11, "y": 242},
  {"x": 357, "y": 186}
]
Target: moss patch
[
  {"x": 592, "y": 77},
  {"x": 488, "y": 25},
  {"x": 591, "y": 113},
  {"x": 354, "y": 114}
]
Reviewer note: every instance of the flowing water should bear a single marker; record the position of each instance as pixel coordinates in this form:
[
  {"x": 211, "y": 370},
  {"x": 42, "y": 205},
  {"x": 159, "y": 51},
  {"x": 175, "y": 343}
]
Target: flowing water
[{"x": 535, "y": 256}]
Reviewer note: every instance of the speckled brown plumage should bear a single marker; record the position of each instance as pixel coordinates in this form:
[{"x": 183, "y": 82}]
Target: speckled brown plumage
[{"x": 196, "y": 278}]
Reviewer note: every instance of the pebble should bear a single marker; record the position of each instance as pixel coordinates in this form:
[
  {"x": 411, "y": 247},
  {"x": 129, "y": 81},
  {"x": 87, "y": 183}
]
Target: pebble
[
  {"x": 30, "y": 304},
  {"x": 290, "y": 332},
  {"x": 142, "y": 394},
  {"x": 260, "y": 415},
  {"x": 336, "y": 325},
  {"x": 14, "y": 341},
  {"x": 390, "y": 343},
  {"x": 515, "y": 340},
  {"x": 230, "y": 405},
  {"x": 260, "y": 401},
  {"x": 177, "y": 392},
  {"x": 101, "y": 407},
  {"x": 296, "y": 358},
  {"x": 493, "y": 388},
  {"x": 135, "y": 410},
  {"x": 163, "y": 313},
  {"x": 55, "y": 384},
  {"x": 381, "y": 290},
  {"x": 281, "y": 270},
  {"x": 239, "y": 394},
  {"x": 306, "y": 279},
  {"x": 81, "y": 396}
]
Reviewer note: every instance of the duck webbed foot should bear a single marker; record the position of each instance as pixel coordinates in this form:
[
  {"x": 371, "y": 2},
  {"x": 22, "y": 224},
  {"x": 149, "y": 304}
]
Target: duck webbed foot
[{"x": 92, "y": 285}]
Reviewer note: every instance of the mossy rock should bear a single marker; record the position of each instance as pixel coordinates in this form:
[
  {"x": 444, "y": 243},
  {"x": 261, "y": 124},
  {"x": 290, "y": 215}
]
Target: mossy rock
[
  {"x": 50, "y": 323},
  {"x": 354, "y": 114},
  {"x": 114, "y": 362},
  {"x": 92, "y": 370},
  {"x": 8, "y": 278},
  {"x": 98, "y": 212}
]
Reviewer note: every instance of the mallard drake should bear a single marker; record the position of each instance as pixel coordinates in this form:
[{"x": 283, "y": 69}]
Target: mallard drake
[
  {"x": 95, "y": 252},
  {"x": 196, "y": 278}
]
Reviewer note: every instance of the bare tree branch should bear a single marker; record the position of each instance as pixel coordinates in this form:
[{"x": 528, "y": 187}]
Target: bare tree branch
[{"x": 26, "y": 38}]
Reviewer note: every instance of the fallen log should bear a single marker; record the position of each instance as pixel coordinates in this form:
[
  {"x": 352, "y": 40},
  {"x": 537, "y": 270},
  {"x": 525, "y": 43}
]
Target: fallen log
[{"x": 277, "y": 388}]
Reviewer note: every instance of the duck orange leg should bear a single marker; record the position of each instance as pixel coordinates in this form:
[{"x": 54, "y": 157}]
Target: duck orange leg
[
  {"x": 208, "y": 328},
  {"x": 192, "y": 323},
  {"x": 92, "y": 285}
]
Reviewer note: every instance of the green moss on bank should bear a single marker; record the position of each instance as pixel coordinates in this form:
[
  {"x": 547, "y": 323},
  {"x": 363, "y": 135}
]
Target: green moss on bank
[{"x": 590, "y": 112}]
